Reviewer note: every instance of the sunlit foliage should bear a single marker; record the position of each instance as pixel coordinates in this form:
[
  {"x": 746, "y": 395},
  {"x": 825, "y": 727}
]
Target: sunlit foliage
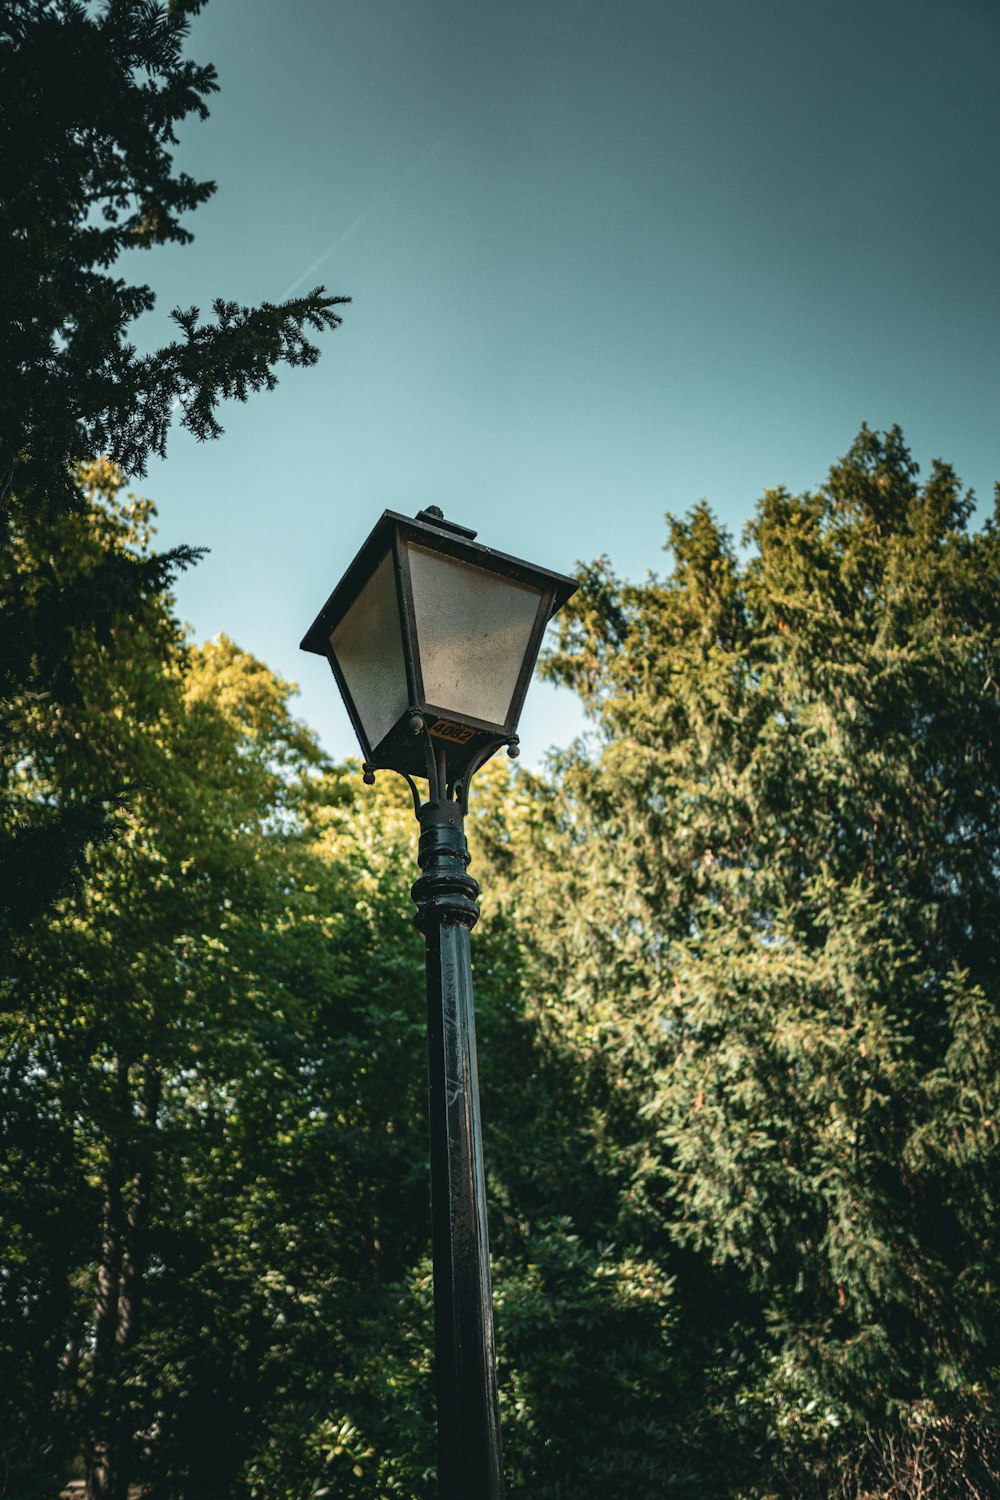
[{"x": 90, "y": 99}]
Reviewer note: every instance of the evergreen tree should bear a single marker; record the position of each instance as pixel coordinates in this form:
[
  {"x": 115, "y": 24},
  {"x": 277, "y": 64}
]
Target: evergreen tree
[
  {"x": 90, "y": 97},
  {"x": 786, "y": 861}
]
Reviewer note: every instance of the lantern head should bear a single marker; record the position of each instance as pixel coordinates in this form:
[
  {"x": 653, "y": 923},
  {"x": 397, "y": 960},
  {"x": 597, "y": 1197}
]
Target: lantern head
[{"x": 430, "y": 629}]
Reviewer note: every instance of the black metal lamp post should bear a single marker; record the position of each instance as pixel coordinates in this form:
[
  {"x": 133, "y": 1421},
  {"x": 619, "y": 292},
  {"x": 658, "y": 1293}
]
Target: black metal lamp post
[{"x": 432, "y": 638}]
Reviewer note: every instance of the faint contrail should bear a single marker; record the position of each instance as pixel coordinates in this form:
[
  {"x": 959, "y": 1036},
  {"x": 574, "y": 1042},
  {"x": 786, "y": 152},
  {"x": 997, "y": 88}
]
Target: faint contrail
[
  {"x": 352, "y": 229},
  {"x": 362, "y": 219},
  {"x": 341, "y": 239}
]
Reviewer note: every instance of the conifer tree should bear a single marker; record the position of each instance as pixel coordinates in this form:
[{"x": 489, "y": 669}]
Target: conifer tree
[
  {"x": 90, "y": 98},
  {"x": 786, "y": 951}
]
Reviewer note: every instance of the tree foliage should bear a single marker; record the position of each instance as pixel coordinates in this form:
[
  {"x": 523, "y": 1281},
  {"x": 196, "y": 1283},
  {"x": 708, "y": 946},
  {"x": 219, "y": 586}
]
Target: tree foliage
[
  {"x": 737, "y": 1002},
  {"x": 216, "y": 1075},
  {"x": 90, "y": 99},
  {"x": 798, "y": 777},
  {"x": 203, "y": 1065}
]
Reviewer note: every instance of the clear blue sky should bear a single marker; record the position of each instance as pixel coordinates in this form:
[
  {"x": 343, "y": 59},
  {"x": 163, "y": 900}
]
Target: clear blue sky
[{"x": 606, "y": 257}]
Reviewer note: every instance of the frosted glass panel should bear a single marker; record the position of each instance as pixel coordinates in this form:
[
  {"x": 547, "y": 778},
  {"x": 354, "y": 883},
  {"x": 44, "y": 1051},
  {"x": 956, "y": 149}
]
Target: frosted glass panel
[
  {"x": 369, "y": 650},
  {"x": 473, "y": 629}
]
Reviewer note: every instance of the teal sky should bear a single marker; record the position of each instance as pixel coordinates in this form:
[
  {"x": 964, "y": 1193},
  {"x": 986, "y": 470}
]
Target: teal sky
[{"x": 605, "y": 259}]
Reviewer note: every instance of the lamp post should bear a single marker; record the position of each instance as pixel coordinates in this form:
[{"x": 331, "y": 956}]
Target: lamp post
[{"x": 432, "y": 639}]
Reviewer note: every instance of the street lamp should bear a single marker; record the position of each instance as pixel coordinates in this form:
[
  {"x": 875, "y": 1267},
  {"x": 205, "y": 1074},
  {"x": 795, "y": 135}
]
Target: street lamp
[{"x": 432, "y": 638}]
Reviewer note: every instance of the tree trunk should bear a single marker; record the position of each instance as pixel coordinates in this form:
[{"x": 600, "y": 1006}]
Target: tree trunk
[
  {"x": 134, "y": 1257},
  {"x": 120, "y": 1285}
]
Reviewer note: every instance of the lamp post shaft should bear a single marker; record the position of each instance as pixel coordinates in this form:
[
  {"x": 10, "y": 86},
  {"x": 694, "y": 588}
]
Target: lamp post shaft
[{"x": 470, "y": 1459}]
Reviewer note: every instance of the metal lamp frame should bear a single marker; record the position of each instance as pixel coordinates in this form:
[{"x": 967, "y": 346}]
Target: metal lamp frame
[{"x": 470, "y": 740}]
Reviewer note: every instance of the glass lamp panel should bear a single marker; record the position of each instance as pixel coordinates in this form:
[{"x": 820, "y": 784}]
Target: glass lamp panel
[
  {"x": 473, "y": 629},
  {"x": 368, "y": 646}
]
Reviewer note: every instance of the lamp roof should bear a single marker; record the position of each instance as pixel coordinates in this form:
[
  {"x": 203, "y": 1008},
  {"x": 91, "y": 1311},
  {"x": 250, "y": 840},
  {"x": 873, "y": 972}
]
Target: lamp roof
[{"x": 430, "y": 529}]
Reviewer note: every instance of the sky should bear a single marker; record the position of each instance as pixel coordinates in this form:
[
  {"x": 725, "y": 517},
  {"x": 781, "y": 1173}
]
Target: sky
[{"x": 606, "y": 258}]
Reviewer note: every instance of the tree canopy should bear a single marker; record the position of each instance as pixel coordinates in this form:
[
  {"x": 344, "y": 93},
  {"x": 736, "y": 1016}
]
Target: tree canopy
[
  {"x": 797, "y": 970},
  {"x": 738, "y": 1011},
  {"x": 90, "y": 98}
]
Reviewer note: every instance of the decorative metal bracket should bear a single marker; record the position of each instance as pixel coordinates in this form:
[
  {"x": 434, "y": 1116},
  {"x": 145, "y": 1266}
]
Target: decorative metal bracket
[{"x": 440, "y": 788}]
